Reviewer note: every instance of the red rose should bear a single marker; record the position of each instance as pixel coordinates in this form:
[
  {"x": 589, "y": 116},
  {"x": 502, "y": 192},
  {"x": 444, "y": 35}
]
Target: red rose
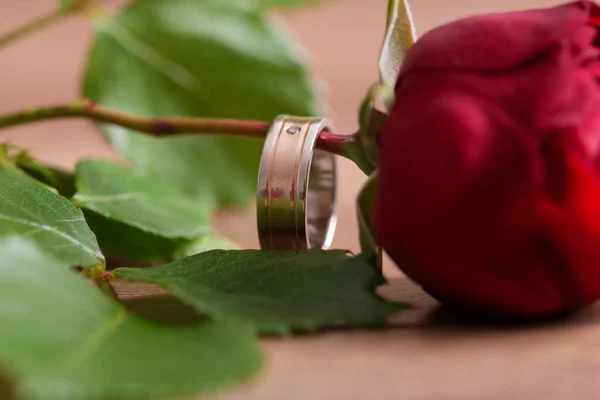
[{"x": 489, "y": 191}]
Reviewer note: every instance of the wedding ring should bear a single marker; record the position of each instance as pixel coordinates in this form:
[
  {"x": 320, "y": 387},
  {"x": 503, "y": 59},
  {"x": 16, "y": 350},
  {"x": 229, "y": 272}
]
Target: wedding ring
[{"x": 296, "y": 197}]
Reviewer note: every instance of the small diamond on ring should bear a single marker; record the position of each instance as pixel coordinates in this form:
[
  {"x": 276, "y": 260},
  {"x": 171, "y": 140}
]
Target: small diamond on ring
[{"x": 292, "y": 130}]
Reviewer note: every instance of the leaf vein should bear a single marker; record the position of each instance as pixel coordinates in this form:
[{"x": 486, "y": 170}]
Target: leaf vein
[
  {"x": 171, "y": 70},
  {"x": 53, "y": 230}
]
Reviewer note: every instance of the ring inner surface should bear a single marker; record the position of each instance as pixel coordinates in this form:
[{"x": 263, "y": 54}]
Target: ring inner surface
[{"x": 320, "y": 199}]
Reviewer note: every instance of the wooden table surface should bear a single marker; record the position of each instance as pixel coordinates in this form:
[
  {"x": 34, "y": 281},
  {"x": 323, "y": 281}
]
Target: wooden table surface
[{"x": 428, "y": 353}]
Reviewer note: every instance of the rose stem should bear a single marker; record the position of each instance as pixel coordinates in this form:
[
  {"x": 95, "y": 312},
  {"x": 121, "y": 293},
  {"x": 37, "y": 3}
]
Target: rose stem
[{"x": 162, "y": 127}]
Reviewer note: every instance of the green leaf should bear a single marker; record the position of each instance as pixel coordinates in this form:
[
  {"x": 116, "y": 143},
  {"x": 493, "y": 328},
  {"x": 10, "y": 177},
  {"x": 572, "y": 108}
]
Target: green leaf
[
  {"x": 67, "y": 5},
  {"x": 399, "y": 37},
  {"x": 28, "y": 208},
  {"x": 130, "y": 244},
  {"x": 161, "y": 58},
  {"x": 61, "y": 180},
  {"x": 137, "y": 217},
  {"x": 276, "y": 291},
  {"x": 118, "y": 193},
  {"x": 366, "y": 197},
  {"x": 117, "y": 239},
  {"x": 63, "y": 339}
]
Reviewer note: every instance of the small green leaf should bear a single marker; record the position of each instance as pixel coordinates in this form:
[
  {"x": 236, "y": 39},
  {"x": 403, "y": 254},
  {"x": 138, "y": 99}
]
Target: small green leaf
[
  {"x": 118, "y": 193},
  {"x": 64, "y": 340},
  {"x": 276, "y": 291},
  {"x": 366, "y": 197},
  {"x": 28, "y": 208},
  {"x": 372, "y": 116},
  {"x": 167, "y": 58},
  {"x": 399, "y": 37}
]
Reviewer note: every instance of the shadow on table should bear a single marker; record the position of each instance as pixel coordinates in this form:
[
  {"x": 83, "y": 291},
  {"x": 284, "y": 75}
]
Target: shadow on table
[
  {"x": 427, "y": 313},
  {"x": 162, "y": 309}
]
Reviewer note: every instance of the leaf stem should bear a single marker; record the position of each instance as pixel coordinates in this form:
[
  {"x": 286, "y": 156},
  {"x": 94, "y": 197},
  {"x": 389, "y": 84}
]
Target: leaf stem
[
  {"x": 44, "y": 21},
  {"x": 103, "y": 279},
  {"x": 335, "y": 143},
  {"x": 106, "y": 288},
  {"x": 32, "y": 26}
]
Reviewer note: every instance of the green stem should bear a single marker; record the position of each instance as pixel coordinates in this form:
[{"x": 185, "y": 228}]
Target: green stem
[
  {"x": 32, "y": 26},
  {"x": 102, "y": 279},
  {"x": 154, "y": 126},
  {"x": 80, "y": 6},
  {"x": 162, "y": 127},
  {"x": 105, "y": 287}
]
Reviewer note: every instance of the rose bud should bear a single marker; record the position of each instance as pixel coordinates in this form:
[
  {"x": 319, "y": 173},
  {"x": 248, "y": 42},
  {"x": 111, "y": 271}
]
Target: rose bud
[{"x": 489, "y": 187}]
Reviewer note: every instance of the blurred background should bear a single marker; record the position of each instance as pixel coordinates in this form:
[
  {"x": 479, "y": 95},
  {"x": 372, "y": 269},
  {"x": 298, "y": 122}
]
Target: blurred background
[{"x": 342, "y": 38}]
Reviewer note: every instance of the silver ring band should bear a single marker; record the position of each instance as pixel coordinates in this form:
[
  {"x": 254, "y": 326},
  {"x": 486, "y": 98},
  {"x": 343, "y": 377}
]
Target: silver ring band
[{"x": 296, "y": 198}]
